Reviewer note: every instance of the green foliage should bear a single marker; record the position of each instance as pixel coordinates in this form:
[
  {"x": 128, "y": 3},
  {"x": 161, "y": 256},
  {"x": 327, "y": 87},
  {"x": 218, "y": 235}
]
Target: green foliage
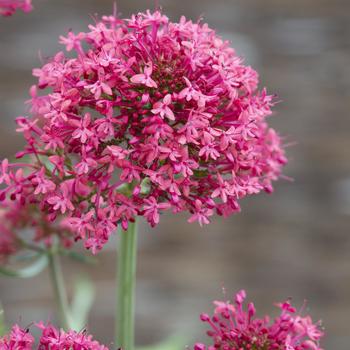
[
  {"x": 82, "y": 302},
  {"x": 29, "y": 271}
]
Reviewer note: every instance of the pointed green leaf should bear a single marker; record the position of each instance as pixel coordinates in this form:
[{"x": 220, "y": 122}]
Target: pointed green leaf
[
  {"x": 83, "y": 298},
  {"x": 26, "y": 272},
  {"x": 27, "y": 257}
]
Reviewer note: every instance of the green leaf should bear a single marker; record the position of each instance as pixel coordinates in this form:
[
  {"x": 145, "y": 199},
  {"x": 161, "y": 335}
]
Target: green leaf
[
  {"x": 28, "y": 256},
  {"x": 172, "y": 343},
  {"x": 145, "y": 186},
  {"x": 26, "y": 272},
  {"x": 125, "y": 189},
  {"x": 83, "y": 299}
]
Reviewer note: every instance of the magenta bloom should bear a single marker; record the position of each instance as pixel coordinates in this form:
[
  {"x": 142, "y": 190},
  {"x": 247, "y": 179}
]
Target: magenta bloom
[
  {"x": 9, "y": 7},
  {"x": 233, "y": 328},
  {"x": 144, "y": 115},
  {"x": 51, "y": 339}
]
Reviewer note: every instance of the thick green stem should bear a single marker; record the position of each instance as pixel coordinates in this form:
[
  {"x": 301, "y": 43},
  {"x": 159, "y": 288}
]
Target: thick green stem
[
  {"x": 126, "y": 278},
  {"x": 59, "y": 289}
]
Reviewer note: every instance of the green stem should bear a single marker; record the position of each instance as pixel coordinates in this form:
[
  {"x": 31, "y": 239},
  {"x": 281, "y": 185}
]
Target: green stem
[
  {"x": 126, "y": 278},
  {"x": 59, "y": 289}
]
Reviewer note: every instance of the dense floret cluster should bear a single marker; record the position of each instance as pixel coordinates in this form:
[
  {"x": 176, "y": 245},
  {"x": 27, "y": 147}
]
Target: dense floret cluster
[
  {"x": 140, "y": 116},
  {"x": 233, "y": 328},
  {"x": 9, "y": 7},
  {"x": 51, "y": 339}
]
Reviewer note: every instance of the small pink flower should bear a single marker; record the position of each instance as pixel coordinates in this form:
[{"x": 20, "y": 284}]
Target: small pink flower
[
  {"x": 61, "y": 201},
  {"x": 4, "y": 177},
  {"x": 162, "y": 108},
  {"x": 72, "y": 41},
  {"x": 117, "y": 152},
  {"x": 83, "y": 131},
  {"x": 85, "y": 165},
  {"x": 81, "y": 225},
  {"x": 201, "y": 213},
  {"x": 190, "y": 93},
  {"x": 152, "y": 209},
  {"x": 224, "y": 189},
  {"x": 145, "y": 77},
  {"x": 43, "y": 185},
  {"x": 98, "y": 88}
]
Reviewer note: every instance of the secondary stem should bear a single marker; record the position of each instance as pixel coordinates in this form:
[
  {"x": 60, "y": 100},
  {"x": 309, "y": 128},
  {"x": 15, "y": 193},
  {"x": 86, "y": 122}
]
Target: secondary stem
[
  {"x": 59, "y": 289},
  {"x": 126, "y": 278}
]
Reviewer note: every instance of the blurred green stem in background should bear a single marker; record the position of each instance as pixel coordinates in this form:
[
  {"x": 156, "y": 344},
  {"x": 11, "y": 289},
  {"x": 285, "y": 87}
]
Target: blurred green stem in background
[
  {"x": 126, "y": 280},
  {"x": 59, "y": 288}
]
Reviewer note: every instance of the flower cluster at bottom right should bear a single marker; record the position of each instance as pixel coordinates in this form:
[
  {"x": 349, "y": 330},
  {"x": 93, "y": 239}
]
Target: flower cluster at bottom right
[{"x": 232, "y": 327}]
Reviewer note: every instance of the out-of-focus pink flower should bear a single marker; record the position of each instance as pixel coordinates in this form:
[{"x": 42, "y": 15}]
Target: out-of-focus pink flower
[
  {"x": 9, "y": 7},
  {"x": 23, "y": 223},
  {"x": 149, "y": 115},
  {"x": 51, "y": 338},
  {"x": 8, "y": 242},
  {"x": 234, "y": 328}
]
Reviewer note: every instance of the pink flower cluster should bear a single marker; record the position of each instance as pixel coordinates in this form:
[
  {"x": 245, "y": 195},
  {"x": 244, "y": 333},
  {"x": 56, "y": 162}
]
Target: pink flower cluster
[
  {"x": 143, "y": 115},
  {"x": 233, "y": 328},
  {"x": 51, "y": 339},
  {"x": 9, "y": 7}
]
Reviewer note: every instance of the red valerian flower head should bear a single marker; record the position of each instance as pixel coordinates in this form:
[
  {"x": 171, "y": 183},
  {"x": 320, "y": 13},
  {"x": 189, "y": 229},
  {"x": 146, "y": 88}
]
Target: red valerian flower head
[
  {"x": 234, "y": 328},
  {"x": 51, "y": 338},
  {"x": 9, "y": 7},
  {"x": 144, "y": 115}
]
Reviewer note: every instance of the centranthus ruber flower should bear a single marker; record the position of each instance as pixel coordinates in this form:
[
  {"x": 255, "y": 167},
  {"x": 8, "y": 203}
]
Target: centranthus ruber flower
[
  {"x": 9, "y": 7},
  {"x": 51, "y": 338},
  {"x": 234, "y": 328},
  {"x": 144, "y": 115}
]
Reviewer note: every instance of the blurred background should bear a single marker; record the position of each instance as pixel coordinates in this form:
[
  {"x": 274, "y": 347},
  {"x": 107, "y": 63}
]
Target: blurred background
[{"x": 294, "y": 243}]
